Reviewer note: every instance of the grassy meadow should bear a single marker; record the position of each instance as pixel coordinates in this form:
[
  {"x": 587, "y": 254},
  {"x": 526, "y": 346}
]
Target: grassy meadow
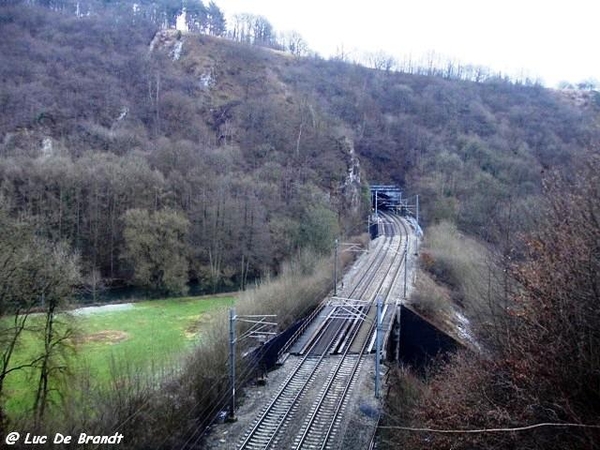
[{"x": 147, "y": 336}]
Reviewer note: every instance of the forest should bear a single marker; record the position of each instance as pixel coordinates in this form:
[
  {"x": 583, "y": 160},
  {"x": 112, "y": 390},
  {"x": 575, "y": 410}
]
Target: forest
[
  {"x": 93, "y": 127},
  {"x": 94, "y": 124},
  {"x": 133, "y": 155}
]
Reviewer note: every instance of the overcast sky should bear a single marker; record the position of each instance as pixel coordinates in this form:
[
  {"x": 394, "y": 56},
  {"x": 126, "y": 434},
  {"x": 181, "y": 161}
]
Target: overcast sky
[{"x": 550, "y": 40}]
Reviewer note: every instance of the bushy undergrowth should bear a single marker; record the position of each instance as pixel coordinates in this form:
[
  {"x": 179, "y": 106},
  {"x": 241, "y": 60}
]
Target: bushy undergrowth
[
  {"x": 455, "y": 268},
  {"x": 540, "y": 382},
  {"x": 430, "y": 298},
  {"x": 302, "y": 283}
]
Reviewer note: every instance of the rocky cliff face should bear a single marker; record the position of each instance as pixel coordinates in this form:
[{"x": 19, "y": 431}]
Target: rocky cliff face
[{"x": 351, "y": 187}]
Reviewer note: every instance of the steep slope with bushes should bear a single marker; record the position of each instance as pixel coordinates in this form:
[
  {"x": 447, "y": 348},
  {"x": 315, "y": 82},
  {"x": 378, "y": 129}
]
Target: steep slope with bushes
[
  {"x": 103, "y": 116},
  {"x": 125, "y": 124},
  {"x": 535, "y": 384}
]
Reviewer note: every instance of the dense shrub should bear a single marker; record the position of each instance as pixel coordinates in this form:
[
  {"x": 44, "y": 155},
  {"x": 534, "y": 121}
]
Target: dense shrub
[{"x": 545, "y": 365}]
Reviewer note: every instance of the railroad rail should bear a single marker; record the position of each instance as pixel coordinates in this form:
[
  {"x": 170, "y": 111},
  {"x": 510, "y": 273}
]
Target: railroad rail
[{"x": 320, "y": 381}]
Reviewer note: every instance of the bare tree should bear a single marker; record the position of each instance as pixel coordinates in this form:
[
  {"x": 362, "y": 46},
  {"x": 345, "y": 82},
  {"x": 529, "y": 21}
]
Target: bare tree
[
  {"x": 155, "y": 247},
  {"x": 546, "y": 366},
  {"x": 56, "y": 282},
  {"x": 294, "y": 43},
  {"x": 35, "y": 274},
  {"x": 381, "y": 61}
]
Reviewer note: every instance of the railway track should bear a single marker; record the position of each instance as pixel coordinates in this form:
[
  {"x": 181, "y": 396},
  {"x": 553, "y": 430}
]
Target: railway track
[
  {"x": 322, "y": 424},
  {"x": 306, "y": 411}
]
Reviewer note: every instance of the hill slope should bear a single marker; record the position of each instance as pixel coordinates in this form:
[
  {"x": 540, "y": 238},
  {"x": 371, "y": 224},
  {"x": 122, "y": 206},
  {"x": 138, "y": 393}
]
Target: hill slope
[{"x": 252, "y": 146}]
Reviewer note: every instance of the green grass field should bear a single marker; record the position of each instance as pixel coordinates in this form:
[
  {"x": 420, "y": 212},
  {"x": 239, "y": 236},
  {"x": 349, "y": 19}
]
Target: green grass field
[{"x": 148, "y": 336}]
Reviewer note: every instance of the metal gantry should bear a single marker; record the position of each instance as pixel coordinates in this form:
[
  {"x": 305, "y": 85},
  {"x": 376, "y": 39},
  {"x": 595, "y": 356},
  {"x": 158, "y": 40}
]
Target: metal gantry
[
  {"x": 390, "y": 197},
  {"x": 261, "y": 329},
  {"x": 347, "y": 308},
  {"x": 349, "y": 246},
  {"x": 333, "y": 375}
]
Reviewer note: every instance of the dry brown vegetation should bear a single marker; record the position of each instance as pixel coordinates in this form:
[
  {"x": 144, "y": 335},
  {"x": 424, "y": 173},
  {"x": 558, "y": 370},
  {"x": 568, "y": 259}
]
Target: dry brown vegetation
[
  {"x": 545, "y": 366},
  {"x": 106, "y": 336},
  {"x": 457, "y": 274}
]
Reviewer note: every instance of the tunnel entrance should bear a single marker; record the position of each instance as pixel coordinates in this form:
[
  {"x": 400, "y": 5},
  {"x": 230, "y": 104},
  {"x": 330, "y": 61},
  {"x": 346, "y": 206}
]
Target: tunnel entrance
[{"x": 386, "y": 198}]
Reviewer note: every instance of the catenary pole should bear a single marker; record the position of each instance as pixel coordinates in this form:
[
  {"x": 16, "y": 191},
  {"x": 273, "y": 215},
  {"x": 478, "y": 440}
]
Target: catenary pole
[
  {"x": 335, "y": 266},
  {"x": 417, "y": 209},
  {"x": 232, "y": 339},
  {"x": 377, "y": 347}
]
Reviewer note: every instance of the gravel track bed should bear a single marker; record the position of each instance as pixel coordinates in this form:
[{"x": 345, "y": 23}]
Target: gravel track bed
[{"x": 361, "y": 413}]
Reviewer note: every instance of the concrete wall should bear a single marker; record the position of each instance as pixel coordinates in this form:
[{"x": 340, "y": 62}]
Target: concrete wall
[{"x": 420, "y": 340}]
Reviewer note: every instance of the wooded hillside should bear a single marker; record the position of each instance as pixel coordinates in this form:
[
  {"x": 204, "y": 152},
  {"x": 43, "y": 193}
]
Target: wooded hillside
[{"x": 254, "y": 151}]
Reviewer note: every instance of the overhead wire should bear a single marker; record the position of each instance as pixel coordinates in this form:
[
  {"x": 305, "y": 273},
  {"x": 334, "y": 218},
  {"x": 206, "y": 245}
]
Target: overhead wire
[
  {"x": 242, "y": 379},
  {"x": 488, "y": 430},
  {"x": 219, "y": 404},
  {"x": 223, "y": 400}
]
